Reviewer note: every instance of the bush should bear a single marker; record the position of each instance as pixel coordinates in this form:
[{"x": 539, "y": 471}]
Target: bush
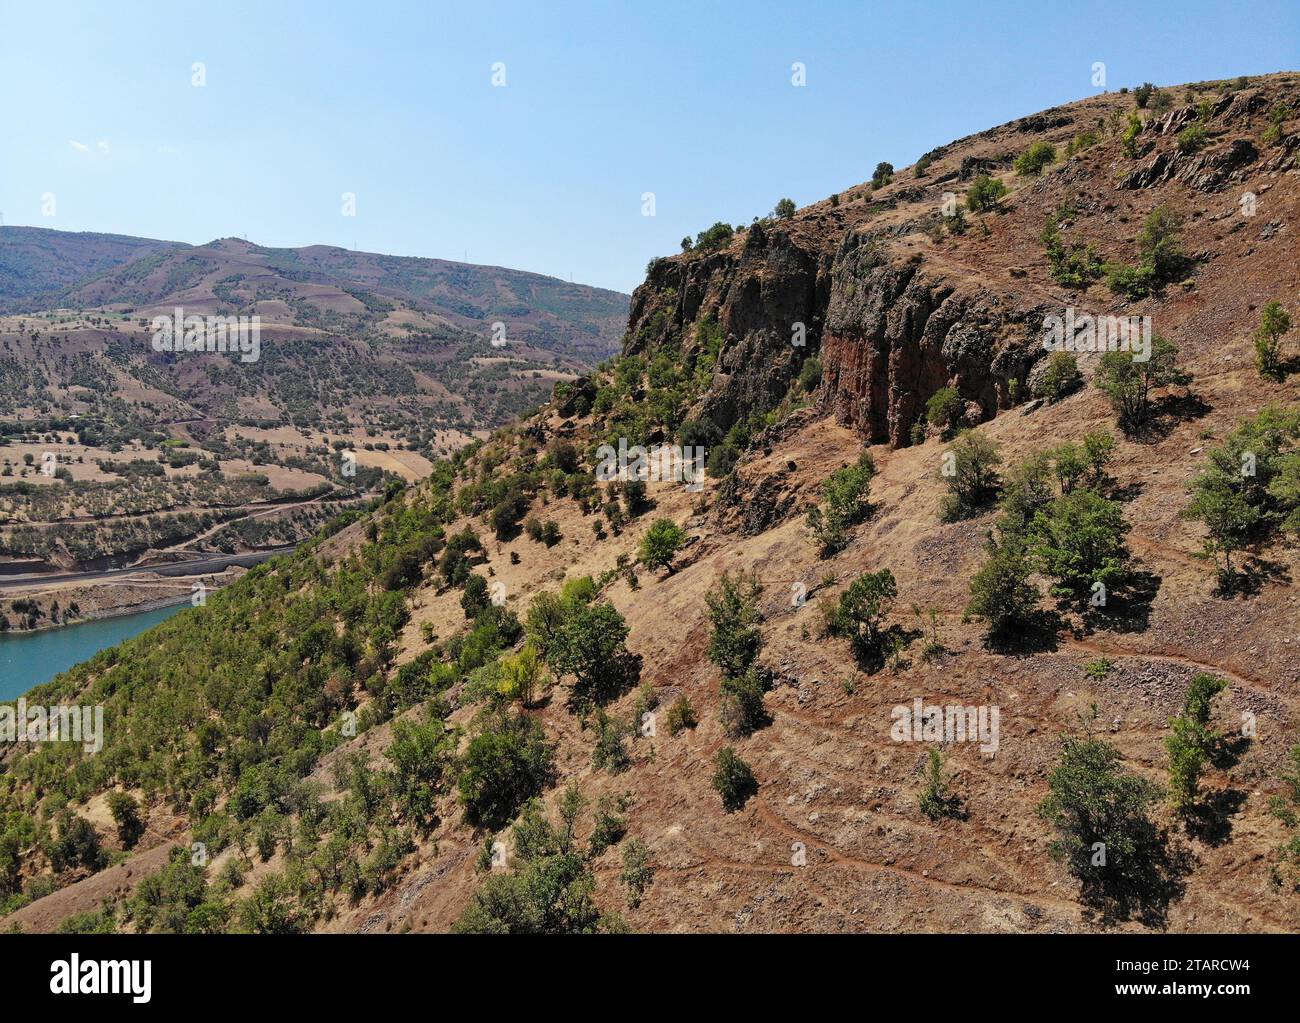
[
  {"x": 733, "y": 780},
  {"x": 610, "y": 752},
  {"x": 660, "y": 544},
  {"x": 970, "y": 473},
  {"x": 883, "y": 174},
  {"x": 1192, "y": 138},
  {"x": 861, "y": 610},
  {"x": 1273, "y": 323},
  {"x": 784, "y": 209},
  {"x": 1076, "y": 266},
  {"x": 1060, "y": 378},
  {"x": 1160, "y": 259},
  {"x": 985, "y": 193},
  {"x": 944, "y": 409},
  {"x": 1000, "y": 592},
  {"x": 1128, "y": 384},
  {"x": 935, "y": 801},
  {"x": 1079, "y": 541},
  {"x": 1250, "y": 487},
  {"x": 475, "y": 598},
  {"x": 590, "y": 645},
  {"x": 681, "y": 715},
  {"x": 846, "y": 504},
  {"x": 637, "y": 871},
  {"x": 126, "y": 815},
  {"x": 715, "y": 238},
  {"x": 735, "y": 639},
  {"x": 1032, "y": 161},
  {"x": 1142, "y": 94},
  {"x": 742, "y": 702},
  {"x": 1192, "y": 741},
  {"x": 1096, "y": 808},
  {"x": 507, "y": 763},
  {"x": 810, "y": 374}
]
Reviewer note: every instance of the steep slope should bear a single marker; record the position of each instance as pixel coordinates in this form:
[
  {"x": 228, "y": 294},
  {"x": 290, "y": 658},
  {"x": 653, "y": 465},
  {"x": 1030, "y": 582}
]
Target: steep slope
[{"x": 245, "y": 736}]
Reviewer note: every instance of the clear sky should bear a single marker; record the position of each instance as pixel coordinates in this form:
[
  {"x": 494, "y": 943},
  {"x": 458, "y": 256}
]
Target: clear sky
[{"x": 394, "y": 102}]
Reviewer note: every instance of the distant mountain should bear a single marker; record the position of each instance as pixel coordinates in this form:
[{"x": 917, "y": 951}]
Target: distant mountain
[
  {"x": 37, "y": 264},
  {"x": 315, "y": 286}
]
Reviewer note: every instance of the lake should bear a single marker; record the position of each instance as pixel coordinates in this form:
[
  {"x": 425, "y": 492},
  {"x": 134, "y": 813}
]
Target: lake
[{"x": 29, "y": 659}]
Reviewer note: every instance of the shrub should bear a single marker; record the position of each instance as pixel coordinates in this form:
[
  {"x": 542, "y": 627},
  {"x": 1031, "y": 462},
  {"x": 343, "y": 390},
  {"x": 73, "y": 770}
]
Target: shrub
[
  {"x": 1142, "y": 94},
  {"x": 970, "y": 473},
  {"x": 845, "y": 494},
  {"x": 1250, "y": 487},
  {"x": 732, "y": 779},
  {"x": 1192, "y": 741},
  {"x": 742, "y": 702},
  {"x": 1132, "y": 129},
  {"x": 810, "y": 374},
  {"x": 936, "y": 801},
  {"x": 475, "y": 598},
  {"x": 784, "y": 209},
  {"x": 507, "y": 763},
  {"x": 1060, "y": 378},
  {"x": 1128, "y": 384},
  {"x": 1160, "y": 259},
  {"x": 660, "y": 544},
  {"x": 681, "y": 715},
  {"x": 1192, "y": 138},
  {"x": 126, "y": 815},
  {"x": 716, "y": 237},
  {"x": 1074, "y": 267},
  {"x": 883, "y": 174},
  {"x": 985, "y": 193},
  {"x": 1079, "y": 541},
  {"x": 1032, "y": 161},
  {"x": 1001, "y": 594},
  {"x": 1273, "y": 323},
  {"x": 590, "y": 645},
  {"x": 637, "y": 871},
  {"x": 610, "y": 752},
  {"x": 522, "y": 675},
  {"x": 944, "y": 409},
  {"x": 862, "y": 608},
  {"x": 734, "y": 639},
  {"x": 1097, "y": 809}
]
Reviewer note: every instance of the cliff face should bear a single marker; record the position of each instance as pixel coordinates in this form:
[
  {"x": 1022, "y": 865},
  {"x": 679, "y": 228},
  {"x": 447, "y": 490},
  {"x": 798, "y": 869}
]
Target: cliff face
[
  {"x": 757, "y": 294},
  {"x": 890, "y": 333},
  {"x": 897, "y": 334}
]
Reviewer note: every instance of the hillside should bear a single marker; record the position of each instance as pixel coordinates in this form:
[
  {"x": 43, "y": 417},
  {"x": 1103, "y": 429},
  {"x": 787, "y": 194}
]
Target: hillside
[
  {"x": 393, "y": 359},
  {"x": 348, "y": 731}
]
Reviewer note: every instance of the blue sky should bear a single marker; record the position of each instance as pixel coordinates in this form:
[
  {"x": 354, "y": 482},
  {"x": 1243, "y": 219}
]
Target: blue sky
[{"x": 394, "y": 102}]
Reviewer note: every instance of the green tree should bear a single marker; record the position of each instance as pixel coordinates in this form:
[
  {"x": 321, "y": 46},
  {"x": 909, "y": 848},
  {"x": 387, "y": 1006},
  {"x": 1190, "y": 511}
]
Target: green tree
[
  {"x": 1059, "y": 378},
  {"x": 126, "y": 815},
  {"x": 734, "y": 615},
  {"x": 846, "y": 502},
  {"x": 1104, "y": 832},
  {"x": 507, "y": 763},
  {"x": 862, "y": 608},
  {"x": 1192, "y": 741},
  {"x": 784, "y": 209},
  {"x": 1079, "y": 540},
  {"x": 936, "y": 800},
  {"x": 732, "y": 779},
  {"x": 1031, "y": 162},
  {"x": 1273, "y": 323},
  {"x": 1128, "y": 384},
  {"x": 969, "y": 471},
  {"x": 660, "y": 544},
  {"x": 590, "y": 646},
  {"x": 985, "y": 193},
  {"x": 945, "y": 409},
  {"x": 1001, "y": 594}
]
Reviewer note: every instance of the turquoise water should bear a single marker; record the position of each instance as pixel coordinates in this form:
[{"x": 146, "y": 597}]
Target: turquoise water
[{"x": 29, "y": 659}]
